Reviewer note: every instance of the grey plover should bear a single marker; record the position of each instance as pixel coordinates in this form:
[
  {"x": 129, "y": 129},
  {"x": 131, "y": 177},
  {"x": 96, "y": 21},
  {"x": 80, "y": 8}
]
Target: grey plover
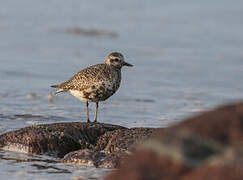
[{"x": 96, "y": 83}]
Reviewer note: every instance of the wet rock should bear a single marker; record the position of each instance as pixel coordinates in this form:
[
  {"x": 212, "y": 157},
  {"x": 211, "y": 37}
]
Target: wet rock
[
  {"x": 55, "y": 139},
  {"x": 111, "y": 148},
  {"x": 125, "y": 139},
  {"x": 208, "y": 146},
  {"x": 82, "y": 143},
  {"x": 113, "y": 160},
  {"x": 89, "y": 157}
]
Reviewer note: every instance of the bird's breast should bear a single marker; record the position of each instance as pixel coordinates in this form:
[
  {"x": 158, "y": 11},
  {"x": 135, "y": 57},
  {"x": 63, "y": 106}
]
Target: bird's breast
[
  {"x": 101, "y": 89},
  {"x": 96, "y": 93}
]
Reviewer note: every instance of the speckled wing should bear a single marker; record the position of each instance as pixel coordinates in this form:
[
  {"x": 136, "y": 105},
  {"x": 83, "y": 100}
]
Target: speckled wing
[{"x": 87, "y": 78}]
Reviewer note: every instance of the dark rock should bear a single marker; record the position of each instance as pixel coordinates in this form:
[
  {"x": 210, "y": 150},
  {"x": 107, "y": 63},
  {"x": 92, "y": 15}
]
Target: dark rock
[
  {"x": 95, "y": 158},
  {"x": 82, "y": 143},
  {"x": 148, "y": 165},
  {"x": 227, "y": 165},
  {"x": 87, "y": 157},
  {"x": 224, "y": 124},
  {"x": 188, "y": 148},
  {"x": 156, "y": 159},
  {"x": 215, "y": 172},
  {"x": 113, "y": 160},
  {"x": 55, "y": 139},
  {"x": 208, "y": 146},
  {"x": 125, "y": 139},
  {"x": 114, "y": 145}
]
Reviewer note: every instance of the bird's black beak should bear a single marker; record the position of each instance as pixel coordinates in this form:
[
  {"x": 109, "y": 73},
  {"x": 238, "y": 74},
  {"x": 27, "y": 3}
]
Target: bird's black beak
[{"x": 127, "y": 64}]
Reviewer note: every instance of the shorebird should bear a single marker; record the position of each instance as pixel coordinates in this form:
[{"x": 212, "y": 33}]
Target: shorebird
[{"x": 95, "y": 83}]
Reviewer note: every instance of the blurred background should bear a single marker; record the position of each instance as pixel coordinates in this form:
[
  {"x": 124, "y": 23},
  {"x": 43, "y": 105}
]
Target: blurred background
[{"x": 187, "y": 56}]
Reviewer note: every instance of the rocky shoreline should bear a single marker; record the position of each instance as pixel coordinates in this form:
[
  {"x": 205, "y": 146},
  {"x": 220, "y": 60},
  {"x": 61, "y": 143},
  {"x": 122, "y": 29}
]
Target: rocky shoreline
[
  {"x": 207, "y": 146},
  {"x": 92, "y": 144}
]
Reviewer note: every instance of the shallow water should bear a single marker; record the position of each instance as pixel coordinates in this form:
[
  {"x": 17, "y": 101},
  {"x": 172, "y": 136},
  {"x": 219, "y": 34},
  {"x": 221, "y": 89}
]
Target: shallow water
[{"x": 187, "y": 58}]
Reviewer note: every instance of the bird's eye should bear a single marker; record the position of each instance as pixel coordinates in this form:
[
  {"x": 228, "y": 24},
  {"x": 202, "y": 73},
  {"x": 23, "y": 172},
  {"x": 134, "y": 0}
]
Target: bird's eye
[{"x": 114, "y": 60}]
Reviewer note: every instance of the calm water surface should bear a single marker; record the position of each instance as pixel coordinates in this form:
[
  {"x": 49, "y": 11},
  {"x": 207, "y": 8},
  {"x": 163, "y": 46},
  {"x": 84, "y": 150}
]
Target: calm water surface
[{"x": 187, "y": 58}]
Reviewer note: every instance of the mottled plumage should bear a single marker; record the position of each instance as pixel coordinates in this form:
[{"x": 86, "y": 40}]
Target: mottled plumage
[{"x": 96, "y": 83}]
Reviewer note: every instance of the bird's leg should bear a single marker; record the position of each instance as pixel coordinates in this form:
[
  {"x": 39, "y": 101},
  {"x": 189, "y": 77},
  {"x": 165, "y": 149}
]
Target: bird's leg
[
  {"x": 96, "y": 111},
  {"x": 87, "y": 111}
]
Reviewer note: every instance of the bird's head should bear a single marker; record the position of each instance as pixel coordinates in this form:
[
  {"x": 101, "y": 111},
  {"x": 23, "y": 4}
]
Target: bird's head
[{"x": 117, "y": 60}]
